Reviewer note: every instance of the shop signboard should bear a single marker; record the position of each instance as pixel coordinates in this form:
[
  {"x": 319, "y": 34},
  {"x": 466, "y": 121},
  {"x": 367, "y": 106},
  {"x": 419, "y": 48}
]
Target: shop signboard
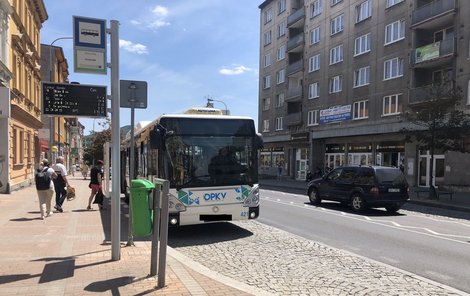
[{"x": 335, "y": 114}]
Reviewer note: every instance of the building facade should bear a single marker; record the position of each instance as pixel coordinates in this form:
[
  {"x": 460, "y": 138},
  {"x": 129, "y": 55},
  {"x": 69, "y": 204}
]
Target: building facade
[
  {"x": 336, "y": 77},
  {"x": 21, "y": 21}
]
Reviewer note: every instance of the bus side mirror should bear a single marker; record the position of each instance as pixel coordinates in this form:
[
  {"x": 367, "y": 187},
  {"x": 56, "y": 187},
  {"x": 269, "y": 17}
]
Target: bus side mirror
[
  {"x": 157, "y": 135},
  {"x": 259, "y": 143}
]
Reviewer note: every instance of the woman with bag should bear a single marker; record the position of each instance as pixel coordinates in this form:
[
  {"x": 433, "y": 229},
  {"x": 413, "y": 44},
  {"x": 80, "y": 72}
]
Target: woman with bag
[{"x": 96, "y": 176}]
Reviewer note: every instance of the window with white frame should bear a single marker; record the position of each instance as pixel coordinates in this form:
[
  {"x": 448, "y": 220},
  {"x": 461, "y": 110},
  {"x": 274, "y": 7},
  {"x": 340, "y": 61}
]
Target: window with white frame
[
  {"x": 281, "y": 6},
  {"x": 267, "y": 81},
  {"x": 281, "y": 76},
  {"x": 267, "y": 60},
  {"x": 313, "y": 90},
  {"x": 394, "y": 32},
  {"x": 312, "y": 117},
  {"x": 390, "y": 3},
  {"x": 315, "y": 8},
  {"x": 3, "y": 36},
  {"x": 314, "y": 63},
  {"x": 266, "y": 125},
  {"x": 363, "y": 11},
  {"x": 336, "y": 54},
  {"x": 362, "y": 44},
  {"x": 279, "y": 123},
  {"x": 334, "y": 2},
  {"x": 392, "y": 105},
  {"x": 267, "y": 38},
  {"x": 337, "y": 24},
  {"x": 361, "y": 110},
  {"x": 280, "y": 100},
  {"x": 393, "y": 68},
  {"x": 362, "y": 76},
  {"x": 336, "y": 84},
  {"x": 315, "y": 35},
  {"x": 281, "y": 28},
  {"x": 266, "y": 104},
  {"x": 268, "y": 15},
  {"x": 281, "y": 53}
]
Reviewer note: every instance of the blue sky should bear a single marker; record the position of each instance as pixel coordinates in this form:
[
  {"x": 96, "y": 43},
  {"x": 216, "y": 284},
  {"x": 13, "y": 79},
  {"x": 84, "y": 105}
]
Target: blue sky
[{"x": 186, "y": 50}]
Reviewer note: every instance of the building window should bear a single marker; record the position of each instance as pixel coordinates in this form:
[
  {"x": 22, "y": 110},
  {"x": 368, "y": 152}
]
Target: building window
[
  {"x": 3, "y": 36},
  {"x": 281, "y": 76},
  {"x": 281, "y": 6},
  {"x": 315, "y": 8},
  {"x": 362, "y": 44},
  {"x": 268, "y": 15},
  {"x": 361, "y": 110},
  {"x": 312, "y": 117},
  {"x": 281, "y": 29},
  {"x": 266, "y": 104},
  {"x": 390, "y": 3},
  {"x": 337, "y": 24},
  {"x": 336, "y": 84},
  {"x": 28, "y": 148},
  {"x": 315, "y": 35},
  {"x": 267, "y": 60},
  {"x": 394, "y": 32},
  {"x": 393, "y": 68},
  {"x": 336, "y": 54},
  {"x": 279, "y": 123},
  {"x": 363, "y": 11},
  {"x": 279, "y": 100},
  {"x": 267, "y": 38},
  {"x": 266, "y": 125},
  {"x": 362, "y": 76},
  {"x": 314, "y": 63},
  {"x": 334, "y": 2},
  {"x": 281, "y": 53},
  {"x": 267, "y": 81},
  {"x": 392, "y": 105},
  {"x": 313, "y": 90}
]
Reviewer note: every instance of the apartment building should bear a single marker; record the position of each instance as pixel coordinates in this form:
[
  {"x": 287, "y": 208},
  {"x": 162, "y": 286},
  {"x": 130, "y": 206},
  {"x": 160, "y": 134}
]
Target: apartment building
[
  {"x": 336, "y": 77},
  {"x": 20, "y": 23}
]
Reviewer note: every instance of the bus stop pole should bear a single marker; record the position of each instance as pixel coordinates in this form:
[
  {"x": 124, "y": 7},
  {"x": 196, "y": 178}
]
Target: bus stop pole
[
  {"x": 130, "y": 238},
  {"x": 157, "y": 192},
  {"x": 163, "y": 234}
]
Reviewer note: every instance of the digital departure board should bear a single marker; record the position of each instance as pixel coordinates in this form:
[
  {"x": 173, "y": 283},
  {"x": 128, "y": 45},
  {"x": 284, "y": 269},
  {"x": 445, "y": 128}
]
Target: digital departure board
[{"x": 73, "y": 100}]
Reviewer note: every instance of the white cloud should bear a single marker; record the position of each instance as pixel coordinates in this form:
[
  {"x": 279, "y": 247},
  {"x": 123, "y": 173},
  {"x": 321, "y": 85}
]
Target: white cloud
[
  {"x": 236, "y": 70},
  {"x": 158, "y": 24},
  {"x": 160, "y": 11},
  {"x": 133, "y": 47}
]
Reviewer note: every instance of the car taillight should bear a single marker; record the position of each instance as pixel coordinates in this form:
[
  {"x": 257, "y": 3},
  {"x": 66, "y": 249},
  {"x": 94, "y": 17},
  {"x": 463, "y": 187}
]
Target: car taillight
[{"x": 374, "y": 191}]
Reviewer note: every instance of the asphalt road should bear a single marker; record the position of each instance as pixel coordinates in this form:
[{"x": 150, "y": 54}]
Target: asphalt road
[{"x": 434, "y": 246}]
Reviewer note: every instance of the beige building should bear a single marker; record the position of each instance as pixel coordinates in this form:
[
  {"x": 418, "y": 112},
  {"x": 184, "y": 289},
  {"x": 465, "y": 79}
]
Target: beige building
[
  {"x": 21, "y": 22},
  {"x": 336, "y": 77}
]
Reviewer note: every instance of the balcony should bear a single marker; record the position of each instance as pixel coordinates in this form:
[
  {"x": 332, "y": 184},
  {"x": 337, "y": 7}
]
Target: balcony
[
  {"x": 293, "y": 119},
  {"x": 295, "y": 67},
  {"x": 434, "y": 54},
  {"x": 429, "y": 92},
  {"x": 434, "y": 12},
  {"x": 294, "y": 94},
  {"x": 296, "y": 18},
  {"x": 296, "y": 43}
]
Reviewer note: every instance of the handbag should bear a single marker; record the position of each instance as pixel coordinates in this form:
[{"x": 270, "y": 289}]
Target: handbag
[
  {"x": 89, "y": 185},
  {"x": 70, "y": 193},
  {"x": 99, "y": 197}
]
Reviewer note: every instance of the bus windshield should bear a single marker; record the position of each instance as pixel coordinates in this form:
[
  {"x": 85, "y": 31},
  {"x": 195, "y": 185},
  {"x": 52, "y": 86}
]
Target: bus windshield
[{"x": 203, "y": 161}]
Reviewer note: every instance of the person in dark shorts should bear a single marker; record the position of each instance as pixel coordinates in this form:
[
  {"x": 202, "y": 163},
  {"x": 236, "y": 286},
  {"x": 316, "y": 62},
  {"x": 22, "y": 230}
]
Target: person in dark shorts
[{"x": 96, "y": 177}]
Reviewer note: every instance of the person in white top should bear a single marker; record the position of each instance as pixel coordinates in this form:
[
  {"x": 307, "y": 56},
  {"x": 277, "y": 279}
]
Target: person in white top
[
  {"x": 45, "y": 191},
  {"x": 60, "y": 183}
]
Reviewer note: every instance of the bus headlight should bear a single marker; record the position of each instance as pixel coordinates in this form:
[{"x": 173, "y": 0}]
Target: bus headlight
[
  {"x": 175, "y": 205},
  {"x": 253, "y": 197}
]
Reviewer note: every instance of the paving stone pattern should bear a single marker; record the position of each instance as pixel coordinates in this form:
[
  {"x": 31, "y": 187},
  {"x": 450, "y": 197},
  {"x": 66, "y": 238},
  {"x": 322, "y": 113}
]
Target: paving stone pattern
[{"x": 285, "y": 264}]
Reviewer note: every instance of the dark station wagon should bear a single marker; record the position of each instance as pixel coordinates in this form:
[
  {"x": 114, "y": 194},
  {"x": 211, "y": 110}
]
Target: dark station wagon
[{"x": 361, "y": 187}]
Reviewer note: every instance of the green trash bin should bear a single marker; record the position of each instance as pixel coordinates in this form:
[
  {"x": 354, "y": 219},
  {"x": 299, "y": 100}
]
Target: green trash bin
[{"x": 141, "y": 206}]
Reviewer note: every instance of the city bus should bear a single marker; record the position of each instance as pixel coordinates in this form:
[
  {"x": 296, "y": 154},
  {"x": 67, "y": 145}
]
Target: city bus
[{"x": 210, "y": 160}]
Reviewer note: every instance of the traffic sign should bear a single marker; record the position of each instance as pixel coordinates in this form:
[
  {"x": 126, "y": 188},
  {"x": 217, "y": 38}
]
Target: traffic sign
[
  {"x": 133, "y": 94},
  {"x": 62, "y": 99}
]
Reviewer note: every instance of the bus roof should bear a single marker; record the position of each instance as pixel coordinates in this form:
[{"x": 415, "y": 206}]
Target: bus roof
[{"x": 204, "y": 116}]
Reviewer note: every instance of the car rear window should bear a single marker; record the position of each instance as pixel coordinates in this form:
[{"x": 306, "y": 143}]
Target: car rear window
[{"x": 394, "y": 176}]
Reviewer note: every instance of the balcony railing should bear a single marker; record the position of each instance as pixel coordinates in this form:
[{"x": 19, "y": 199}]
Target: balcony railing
[
  {"x": 295, "y": 67},
  {"x": 295, "y": 41},
  {"x": 294, "y": 119},
  {"x": 432, "y": 10},
  {"x": 434, "y": 51},
  {"x": 428, "y": 92},
  {"x": 297, "y": 15},
  {"x": 293, "y": 94}
]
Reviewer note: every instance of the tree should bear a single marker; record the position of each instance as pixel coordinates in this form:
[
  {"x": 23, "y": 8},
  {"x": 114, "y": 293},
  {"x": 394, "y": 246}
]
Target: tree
[{"x": 438, "y": 123}]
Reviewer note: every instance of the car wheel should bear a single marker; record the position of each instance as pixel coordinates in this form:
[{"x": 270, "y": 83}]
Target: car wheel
[
  {"x": 393, "y": 208},
  {"x": 314, "y": 197},
  {"x": 357, "y": 203}
]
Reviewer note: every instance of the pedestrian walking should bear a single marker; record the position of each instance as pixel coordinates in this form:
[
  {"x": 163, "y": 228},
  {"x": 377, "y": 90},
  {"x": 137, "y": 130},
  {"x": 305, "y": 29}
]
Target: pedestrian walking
[
  {"x": 45, "y": 188},
  {"x": 279, "y": 170},
  {"x": 84, "y": 169},
  {"x": 60, "y": 183},
  {"x": 96, "y": 177}
]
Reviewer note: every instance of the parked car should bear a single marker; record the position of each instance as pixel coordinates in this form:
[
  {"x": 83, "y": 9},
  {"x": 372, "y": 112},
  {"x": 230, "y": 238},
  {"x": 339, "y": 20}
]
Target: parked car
[{"x": 361, "y": 187}]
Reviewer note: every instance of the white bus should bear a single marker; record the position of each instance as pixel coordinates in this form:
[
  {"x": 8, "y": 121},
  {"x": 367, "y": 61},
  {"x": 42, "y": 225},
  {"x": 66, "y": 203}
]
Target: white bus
[{"x": 210, "y": 160}]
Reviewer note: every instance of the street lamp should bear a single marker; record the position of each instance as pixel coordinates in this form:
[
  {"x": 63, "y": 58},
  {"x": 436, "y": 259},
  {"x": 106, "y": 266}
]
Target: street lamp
[{"x": 212, "y": 100}]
